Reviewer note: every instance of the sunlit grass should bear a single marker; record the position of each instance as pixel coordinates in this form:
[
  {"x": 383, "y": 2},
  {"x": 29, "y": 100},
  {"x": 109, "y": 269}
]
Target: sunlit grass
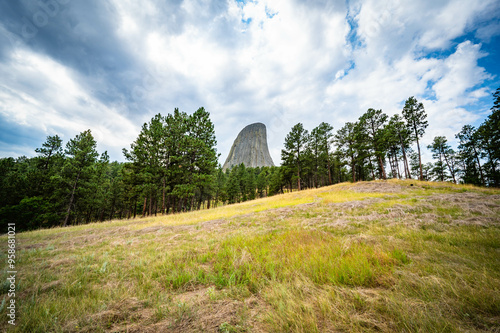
[{"x": 340, "y": 195}]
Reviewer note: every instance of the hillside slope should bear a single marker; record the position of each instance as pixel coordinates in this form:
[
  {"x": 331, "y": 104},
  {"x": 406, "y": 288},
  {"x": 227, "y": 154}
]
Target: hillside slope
[{"x": 371, "y": 256}]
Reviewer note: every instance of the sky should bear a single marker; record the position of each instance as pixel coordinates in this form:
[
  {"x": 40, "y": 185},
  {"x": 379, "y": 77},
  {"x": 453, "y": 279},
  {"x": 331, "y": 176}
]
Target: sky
[{"x": 110, "y": 65}]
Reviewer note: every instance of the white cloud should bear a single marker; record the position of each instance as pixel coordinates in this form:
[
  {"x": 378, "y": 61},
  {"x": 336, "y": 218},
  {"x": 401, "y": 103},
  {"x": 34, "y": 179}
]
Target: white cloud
[
  {"x": 57, "y": 104},
  {"x": 460, "y": 74}
]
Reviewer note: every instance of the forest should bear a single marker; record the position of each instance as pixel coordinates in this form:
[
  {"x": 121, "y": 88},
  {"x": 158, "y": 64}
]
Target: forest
[{"x": 173, "y": 166}]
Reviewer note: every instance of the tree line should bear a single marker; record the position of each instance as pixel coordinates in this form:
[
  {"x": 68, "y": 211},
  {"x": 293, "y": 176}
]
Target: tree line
[
  {"x": 173, "y": 167},
  {"x": 377, "y": 146}
]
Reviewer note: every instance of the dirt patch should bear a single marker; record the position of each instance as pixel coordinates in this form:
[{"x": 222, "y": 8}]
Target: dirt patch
[
  {"x": 93, "y": 237},
  {"x": 467, "y": 208},
  {"x": 62, "y": 262},
  {"x": 475, "y": 208},
  {"x": 113, "y": 318},
  {"x": 193, "y": 296},
  {"x": 191, "y": 311},
  {"x": 379, "y": 187},
  {"x": 213, "y": 224},
  {"x": 39, "y": 290},
  {"x": 148, "y": 230},
  {"x": 21, "y": 246},
  {"x": 338, "y": 223},
  {"x": 49, "y": 286},
  {"x": 357, "y": 204}
]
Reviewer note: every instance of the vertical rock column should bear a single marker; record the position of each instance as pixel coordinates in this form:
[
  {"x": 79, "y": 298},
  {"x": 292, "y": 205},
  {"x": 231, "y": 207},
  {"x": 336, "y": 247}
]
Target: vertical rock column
[{"x": 250, "y": 148}]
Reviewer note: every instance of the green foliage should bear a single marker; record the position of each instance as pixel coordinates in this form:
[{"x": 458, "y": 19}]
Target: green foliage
[
  {"x": 78, "y": 168},
  {"x": 469, "y": 150},
  {"x": 175, "y": 156},
  {"x": 292, "y": 154},
  {"x": 415, "y": 116},
  {"x": 489, "y": 137},
  {"x": 397, "y": 137},
  {"x": 347, "y": 146},
  {"x": 372, "y": 123}
]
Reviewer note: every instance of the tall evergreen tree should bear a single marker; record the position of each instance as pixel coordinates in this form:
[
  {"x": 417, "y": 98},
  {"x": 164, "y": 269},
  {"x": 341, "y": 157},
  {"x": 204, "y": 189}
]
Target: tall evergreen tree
[
  {"x": 470, "y": 150},
  {"x": 398, "y": 131},
  {"x": 147, "y": 154},
  {"x": 415, "y": 116},
  {"x": 442, "y": 152},
  {"x": 489, "y": 137},
  {"x": 346, "y": 146},
  {"x": 372, "y": 122},
  {"x": 294, "y": 146},
  {"x": 82, "y": 155},
  {"x": 319, "y": 145}
]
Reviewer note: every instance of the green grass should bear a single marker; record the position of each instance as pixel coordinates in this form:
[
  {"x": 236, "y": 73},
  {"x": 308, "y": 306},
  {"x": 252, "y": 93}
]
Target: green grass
[{"x": 389, "y": 256}]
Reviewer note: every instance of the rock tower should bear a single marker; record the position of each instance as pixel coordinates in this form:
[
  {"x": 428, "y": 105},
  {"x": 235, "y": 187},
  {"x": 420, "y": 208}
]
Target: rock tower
[{"x": 250, "y": 148}]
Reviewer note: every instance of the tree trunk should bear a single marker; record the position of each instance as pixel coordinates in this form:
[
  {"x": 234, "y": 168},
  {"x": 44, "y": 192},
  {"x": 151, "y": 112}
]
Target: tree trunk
[
  {"x": 449, "y": 168},
  {"x": 298, "y": 175},
  {"x": 113, "y": 210},
  {"x": 135, "y": 207},
  {"x": 144, "y": 207},
  {"x": 397, "y": 164},
  {"x": 479, "y": 166},
  {"x": 493, "y": 169},
  {"x": 419, "y": 157},
  {"x": 168, "y": 203},
  {"x": 150, "y": 204},
  {"x": 163, "y": 198},
  {"x": 380, "y": 162},
  {"x": 392, "y": 162},
  {"x": 353, "y": 168},
  {"x": 68, "y": 212},
  {"x": 405, "y": 160},
  {"x": 371, "y": 167},
  {"x": 442, "y": 169},
  {"x": 329, "y": 170}
]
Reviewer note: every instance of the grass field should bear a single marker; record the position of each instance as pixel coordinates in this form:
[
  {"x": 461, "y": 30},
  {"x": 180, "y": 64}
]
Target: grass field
[{"x": 390, "y": 256}]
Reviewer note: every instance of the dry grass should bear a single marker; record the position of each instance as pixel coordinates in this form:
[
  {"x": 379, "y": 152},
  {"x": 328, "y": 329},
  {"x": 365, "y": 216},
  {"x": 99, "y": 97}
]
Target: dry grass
[{"x": 372, "y": 256}]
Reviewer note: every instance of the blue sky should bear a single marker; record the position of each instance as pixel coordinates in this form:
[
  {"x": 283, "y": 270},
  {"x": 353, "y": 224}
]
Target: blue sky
[{"x": 109, "y": 66}]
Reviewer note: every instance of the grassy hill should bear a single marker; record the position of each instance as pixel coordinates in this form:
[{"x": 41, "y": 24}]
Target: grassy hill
[{"x": 371, "y": 256}]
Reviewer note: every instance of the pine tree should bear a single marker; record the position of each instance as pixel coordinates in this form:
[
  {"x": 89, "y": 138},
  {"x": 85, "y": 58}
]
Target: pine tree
[
  {"x": 262, "y": 182},
  {"x": 470, "y": 151},
  {"x": 147, "y": 154},
  {"x": 442, "y": 152},
  {"x": 398, "y": 131},
  {"x": 201, "y": 152},
  {"x": 295, "y": 142},
  {"x": 415, "y": 116},
  {"x": 346, "y": 146},
  {"x": 319, "y": 148},
  {"x": 51, "y": 149},
  {"x": 489, "y": 137},
  {"x": 82, "y": 155},
  {"x": 372, "y": 122},
  {"x": 233, "y": 189}
]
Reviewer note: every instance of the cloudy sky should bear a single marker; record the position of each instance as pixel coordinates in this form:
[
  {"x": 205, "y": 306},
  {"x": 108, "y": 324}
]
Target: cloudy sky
[{"x": 110, "y": 65}]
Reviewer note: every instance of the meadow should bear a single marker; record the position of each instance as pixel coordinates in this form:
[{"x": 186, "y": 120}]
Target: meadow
[{"x": 381, "y": 256}]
